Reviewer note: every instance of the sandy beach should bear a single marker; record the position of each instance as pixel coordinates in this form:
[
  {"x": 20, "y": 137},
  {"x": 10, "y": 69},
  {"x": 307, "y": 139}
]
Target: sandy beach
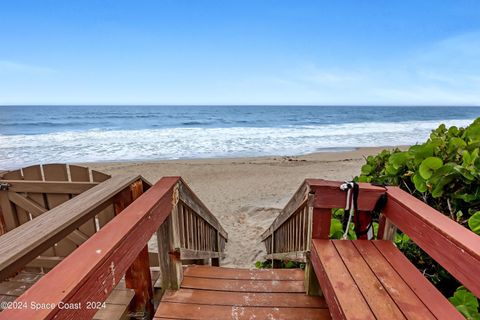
[{"x": 246, "y": 194}]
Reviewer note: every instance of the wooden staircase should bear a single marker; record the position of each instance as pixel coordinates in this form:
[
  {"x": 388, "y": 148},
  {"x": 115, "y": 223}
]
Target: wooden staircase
[{"x": 227, "y": 293}]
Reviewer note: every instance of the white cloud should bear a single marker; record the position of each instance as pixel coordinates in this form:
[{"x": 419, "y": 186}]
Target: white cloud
[{"x": 445, "y": 72}]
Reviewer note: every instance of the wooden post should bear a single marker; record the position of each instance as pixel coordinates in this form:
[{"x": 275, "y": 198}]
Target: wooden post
[
  {"x": 168, "y": 239},
  {"x": 216, "y": 261},
  {"x": 8, "y": 211},
  {"x": 319, "y": 220},
  {"x": 321, "y": 223},
  {"x": 138, "y": 275},
  {"x": 139, "y": 279}
]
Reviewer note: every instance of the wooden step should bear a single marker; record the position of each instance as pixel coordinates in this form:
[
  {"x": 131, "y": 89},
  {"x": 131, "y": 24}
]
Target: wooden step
[
  {"x": 169, "y": 310},
  {"x": 243, "y": 274},
  {"x": 116, "y": 305},
  {"x": 248, "y": 299},
  {"x": 231, "y": 293}
]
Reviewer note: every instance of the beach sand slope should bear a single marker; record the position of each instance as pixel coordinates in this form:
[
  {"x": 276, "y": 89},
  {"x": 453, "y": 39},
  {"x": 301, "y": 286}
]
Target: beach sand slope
[{"x": 246, "y": 194}]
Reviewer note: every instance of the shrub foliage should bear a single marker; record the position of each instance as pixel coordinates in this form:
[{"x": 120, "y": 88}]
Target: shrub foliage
[{"x": 444, "y": 172}]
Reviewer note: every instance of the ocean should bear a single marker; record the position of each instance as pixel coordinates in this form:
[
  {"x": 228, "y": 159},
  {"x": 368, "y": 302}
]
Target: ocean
[{"x": 46, "y": 134}]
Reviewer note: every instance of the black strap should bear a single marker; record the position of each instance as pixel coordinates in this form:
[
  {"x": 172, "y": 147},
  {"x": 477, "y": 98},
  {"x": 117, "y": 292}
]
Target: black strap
[{"x": 379, "y": 205}]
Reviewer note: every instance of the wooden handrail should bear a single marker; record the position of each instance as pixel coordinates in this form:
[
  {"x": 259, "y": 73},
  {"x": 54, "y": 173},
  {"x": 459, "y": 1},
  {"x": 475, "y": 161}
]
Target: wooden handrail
[
  {"x": 24, "y": 243},
  {"x": 69, "y": 187},
  {"x": 191, "y": 200},
  {"x": 290, "y": 208},
  {"x": 453, "y": 246},
  {"x": 319, "y": 196},
  {"x": 93, "y": 270}
]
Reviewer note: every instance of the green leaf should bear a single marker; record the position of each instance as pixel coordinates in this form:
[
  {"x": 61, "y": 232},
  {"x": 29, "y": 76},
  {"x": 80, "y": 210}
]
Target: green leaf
[
  {"x": 421, "y": 152},
  {"x": 474, "y": 222},
  {"x": 428, "y": 166},
  {"x": 398, "y": 159},
  {"x": 456, "y": 144},
  {"x": 466, "y": 303},
  {"x": 468, "y": 312},
  {"x": 420, "y": 184},
  {"x": 363, "y": 178},
  {"x": 391, "y": 170},
  {"x": 465, "y": 297},
  {"x": 467, "y": 159},
  {"x": 375, "y": 229},
  {"x": 336, "y": 229},
  {"x": 366, "y": 169}
]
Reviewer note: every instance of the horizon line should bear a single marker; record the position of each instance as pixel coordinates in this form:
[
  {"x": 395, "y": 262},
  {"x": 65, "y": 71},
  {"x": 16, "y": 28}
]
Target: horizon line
[{"x": 239, "y": 105}]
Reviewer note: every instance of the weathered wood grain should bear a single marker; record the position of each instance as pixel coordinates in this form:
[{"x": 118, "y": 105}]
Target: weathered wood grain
[
  {"x": 106, "y": 257},
  {"x": 29, "y": 240},
  {"x": 193, "y": 202}
]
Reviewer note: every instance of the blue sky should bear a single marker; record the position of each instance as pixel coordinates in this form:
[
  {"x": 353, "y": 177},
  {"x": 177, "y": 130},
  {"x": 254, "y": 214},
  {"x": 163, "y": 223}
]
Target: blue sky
[{"x": 240, "y": 52}]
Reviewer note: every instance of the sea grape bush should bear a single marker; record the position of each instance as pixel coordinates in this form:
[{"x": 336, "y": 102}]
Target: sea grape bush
[{"x": 444, "y": 172}]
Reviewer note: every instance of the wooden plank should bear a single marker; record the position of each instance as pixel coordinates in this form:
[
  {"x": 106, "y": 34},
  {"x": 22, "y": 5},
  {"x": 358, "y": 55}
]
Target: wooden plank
[
  {"x": 190, "y": 230},
  {"x": 82, "y": 174},
  {"x": 243, "y": 285},
  {"x": 29, "y": 240},
  {"x": 105, "y": 216},
  {"x": 22, "y": 215},
  {"x": 26, "y": 204},
  {"x": 112, "y": 312},
  {"x": 44, "y": 262},
  {"x": 8, "y": 211},
  {"x": 29, "y": 277},
  {"x": 15, "y": 174},
  {"x": 425, "y": 291},
  {"x": 258, "y": 299},
  {"x": 181, "y": 225},
  {"x": 58, "y": 172},
  {"x": 193, "y": 202},
  {"x": 216, "y": 244},
  {"x": 455, "y": 247},
  {"x": 292, "y": 206},
  {"x": 380, "y": 302},
  {"x": 138, "y": 275},
  {"x": 168, "y": 241},
  {"x": 299, "y": 256},
  {"x": 34, "y": 174},
  {"x": 100, "y": 262},
  {"x": 344, "y": 299},
  {"x": 77, "y": 237},
  {"x": 321, "y": 220},
  {"x": 98, "y": 176},
  {"x": 208, "y": 312},
  {"x": 78, "y": 173},
  {"x": 408, "y": 302},
  {"x": 139, "y": 279},
  {"x": 244, "y": 274},
  {"x": 32, "y": 186},
  {"x": 328, "y": 194},
  {"x": 14, "y": 288},
  {"x": 120, "y": 296},
  {"x": 188, "y": 254}
]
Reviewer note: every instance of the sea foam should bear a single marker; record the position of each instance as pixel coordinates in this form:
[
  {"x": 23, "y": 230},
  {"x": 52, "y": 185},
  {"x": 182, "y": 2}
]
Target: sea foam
[{"x": 20, "y": 150}]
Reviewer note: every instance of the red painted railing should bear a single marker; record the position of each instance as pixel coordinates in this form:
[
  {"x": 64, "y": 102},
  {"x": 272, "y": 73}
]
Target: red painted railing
[
  {"x": 90, "y": 273},
  {"x": 454, "y": 247}
]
